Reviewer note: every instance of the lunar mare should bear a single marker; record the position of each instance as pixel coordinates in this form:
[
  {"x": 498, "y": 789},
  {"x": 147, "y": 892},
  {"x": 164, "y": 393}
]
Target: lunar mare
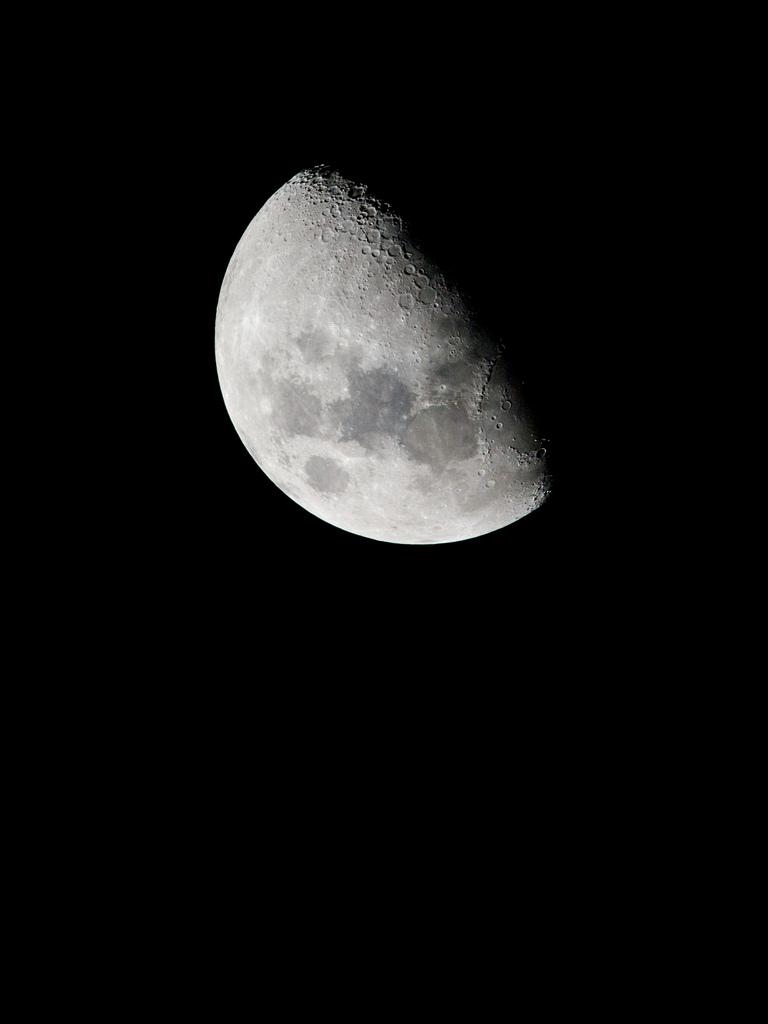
[{"x": 360, "y": 380}]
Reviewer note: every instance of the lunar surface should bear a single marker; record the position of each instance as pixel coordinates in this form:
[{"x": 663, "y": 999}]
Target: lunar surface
[{"x": 361, "y": 381}]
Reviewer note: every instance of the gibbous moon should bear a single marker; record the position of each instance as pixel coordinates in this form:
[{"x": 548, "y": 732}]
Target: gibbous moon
[{"x": 360, "y": 380}]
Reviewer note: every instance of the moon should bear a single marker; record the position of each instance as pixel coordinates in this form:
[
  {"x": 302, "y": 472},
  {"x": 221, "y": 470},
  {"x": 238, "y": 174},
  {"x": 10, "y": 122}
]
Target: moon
[{"x": 361, "y": 380}]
